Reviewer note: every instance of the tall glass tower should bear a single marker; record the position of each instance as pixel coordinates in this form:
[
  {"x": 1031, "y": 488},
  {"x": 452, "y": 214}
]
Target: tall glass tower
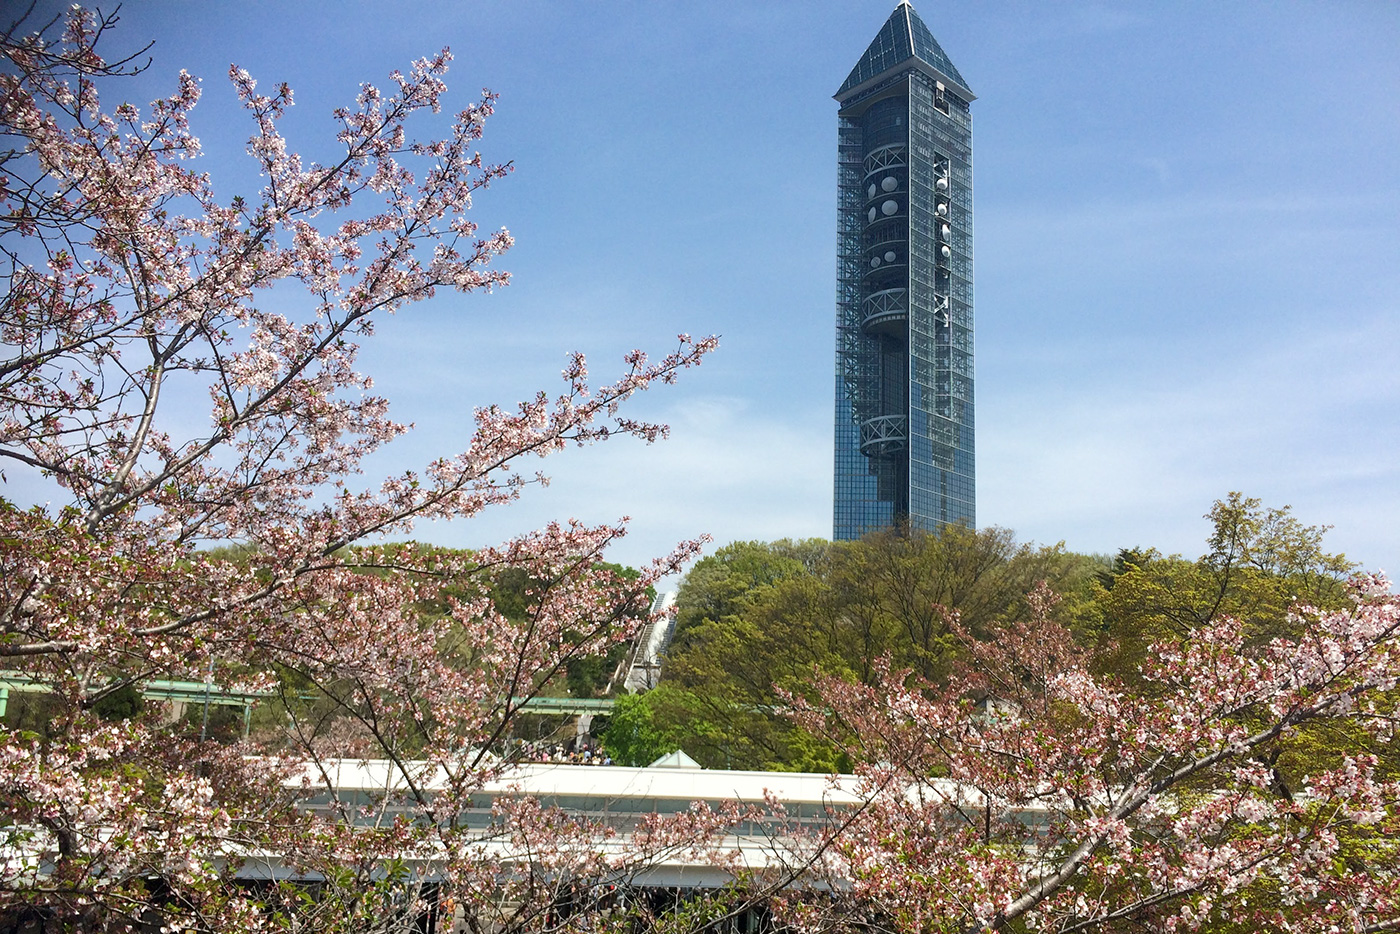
[{"x": 904, "y": 421}]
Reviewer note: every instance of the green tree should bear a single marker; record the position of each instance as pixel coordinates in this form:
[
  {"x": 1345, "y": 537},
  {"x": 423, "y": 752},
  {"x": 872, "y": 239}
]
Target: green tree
[
  {"x": 717, "y": 584},
  {"x": 1259, "y": 562},
  {"x": 722, "y": 685},
  {"x": 760, "y": 627},
  {"x": 632, "y": 736},
  {"x": 906, "y": 585}
]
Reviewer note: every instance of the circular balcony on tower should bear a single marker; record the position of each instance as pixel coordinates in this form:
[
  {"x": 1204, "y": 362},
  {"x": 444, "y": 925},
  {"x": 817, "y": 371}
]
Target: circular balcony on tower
[
  {"x": 884, "y": 159},
  {"x": 885, "y": 235},
  {"x": 885, "y": 268},
  {"x": 886, "y": 312},
  {"x": 884, "y": 434},
  {"x": 883, "y": 183},
  {"x": 884, "y": 207}
]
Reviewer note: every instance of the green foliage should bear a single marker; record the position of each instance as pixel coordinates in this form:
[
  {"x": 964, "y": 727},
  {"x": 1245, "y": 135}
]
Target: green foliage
[
  {"x": 719, "y": 583},
  {"x": 585, "y": 675},
  {"x": 1124, "y": 561},
  {"x": 591, "y": 675},
  {"x": 632, "y": 736},
  {"x": 1260, "y": 562},
  {"x": 509, "y": 593},
  {"x": 220, "y": 723},
  {"x": 34, "y": 714},
  {"x": 122, "y": 704},
  {"x": 904, "y": 587},
  {"x": 764, "y": 619},
  {"x": 757, "y": 620}
]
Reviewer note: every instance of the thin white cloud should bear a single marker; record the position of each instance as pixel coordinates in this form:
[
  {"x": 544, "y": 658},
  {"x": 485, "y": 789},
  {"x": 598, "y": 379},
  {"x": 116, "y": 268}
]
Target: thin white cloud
[
  {"x": 1303, "y": 419},
  {"x": 729, "y": 470}
]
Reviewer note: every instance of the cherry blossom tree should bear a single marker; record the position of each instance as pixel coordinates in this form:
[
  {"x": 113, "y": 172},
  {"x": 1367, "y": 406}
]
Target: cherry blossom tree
[
  {"x": 1239, "y": 782},
  {"x": 1067, "y": 801},
  {"x": 130, "y": 285}
]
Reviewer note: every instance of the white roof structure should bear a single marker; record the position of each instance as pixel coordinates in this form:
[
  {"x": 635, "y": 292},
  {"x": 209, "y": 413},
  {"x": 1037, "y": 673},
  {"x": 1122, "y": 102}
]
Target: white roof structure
[
  {"x": 675, "y": 760},
  {"x": 616, "y": 797},
  {"x": 614, "y": 783}
]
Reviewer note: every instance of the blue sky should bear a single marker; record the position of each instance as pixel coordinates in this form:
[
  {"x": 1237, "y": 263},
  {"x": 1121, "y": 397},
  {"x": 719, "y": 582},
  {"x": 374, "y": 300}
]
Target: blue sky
[{"x": 1187, "y": 248}]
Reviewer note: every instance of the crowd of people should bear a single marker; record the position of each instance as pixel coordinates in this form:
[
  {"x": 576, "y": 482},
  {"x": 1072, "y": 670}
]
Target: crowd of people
[{"x": 575, "y": 752}]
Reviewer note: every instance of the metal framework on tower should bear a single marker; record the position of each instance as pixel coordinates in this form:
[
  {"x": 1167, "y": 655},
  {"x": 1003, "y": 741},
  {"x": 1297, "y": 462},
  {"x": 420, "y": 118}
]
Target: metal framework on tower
[{"x": 905, "y": 454}]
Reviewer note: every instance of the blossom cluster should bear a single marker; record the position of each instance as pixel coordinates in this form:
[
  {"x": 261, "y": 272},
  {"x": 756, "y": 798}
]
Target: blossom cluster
[
  {"x": 131, "y": 283},
  {"x": 1068, "y": 800}
]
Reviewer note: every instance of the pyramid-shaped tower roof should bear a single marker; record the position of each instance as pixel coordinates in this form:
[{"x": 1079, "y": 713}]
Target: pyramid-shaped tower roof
[{"x": 904, "y": 40}]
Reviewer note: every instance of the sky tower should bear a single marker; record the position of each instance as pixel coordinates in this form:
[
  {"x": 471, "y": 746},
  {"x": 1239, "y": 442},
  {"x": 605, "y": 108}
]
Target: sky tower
[{"x": 904, "y": 404}]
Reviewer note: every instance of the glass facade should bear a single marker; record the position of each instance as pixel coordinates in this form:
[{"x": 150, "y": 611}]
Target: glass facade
[{"x": 904, "y": 377}]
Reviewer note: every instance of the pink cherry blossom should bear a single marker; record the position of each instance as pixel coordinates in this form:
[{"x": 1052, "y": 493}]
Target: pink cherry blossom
[
  {"x": 130, "y": 281},
  {"x": 1076, "y": 804}
]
